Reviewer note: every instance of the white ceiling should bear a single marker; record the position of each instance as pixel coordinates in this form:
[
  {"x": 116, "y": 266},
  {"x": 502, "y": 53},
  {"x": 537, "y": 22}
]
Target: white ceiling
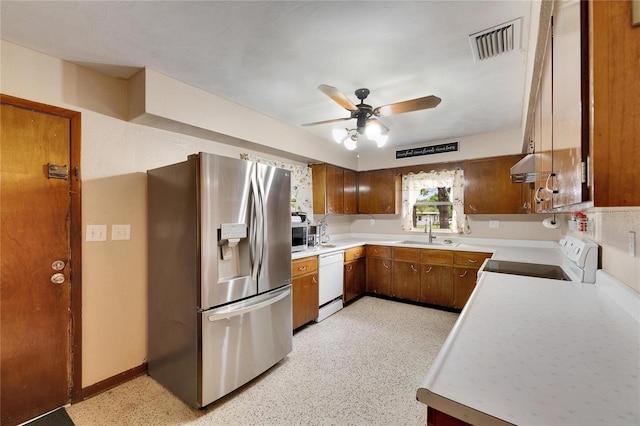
[{"x": 270, "y": 56}]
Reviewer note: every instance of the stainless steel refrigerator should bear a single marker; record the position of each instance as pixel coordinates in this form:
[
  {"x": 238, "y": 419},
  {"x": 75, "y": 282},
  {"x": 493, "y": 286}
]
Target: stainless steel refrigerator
[{"x": 219, "y": 273}]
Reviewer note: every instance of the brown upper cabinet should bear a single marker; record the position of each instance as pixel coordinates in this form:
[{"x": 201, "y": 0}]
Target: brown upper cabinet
[
  {"x": 377, "y": 192},
  {"x": 328, "y": 189},
  {"x": 561, "y": 121},
  {"x": 615, "y": 104},
  {"x": 488, "y": 188},
  {"x": 350, "y": 198}
]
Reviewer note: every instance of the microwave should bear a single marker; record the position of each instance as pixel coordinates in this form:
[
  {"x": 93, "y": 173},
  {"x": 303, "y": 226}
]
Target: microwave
[{"x": 299, "y": 231}]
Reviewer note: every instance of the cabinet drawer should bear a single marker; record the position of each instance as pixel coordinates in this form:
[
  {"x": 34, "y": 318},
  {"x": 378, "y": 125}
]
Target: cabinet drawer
[
  {"x": 406, "y": 253},
  {"x": 467, "y": 258},
  {"x": 354, "y": 253},
  {"x": 378, "y": 251},
  {"x": 304, "y": 265},
  {"x": 441, "y": 257}
]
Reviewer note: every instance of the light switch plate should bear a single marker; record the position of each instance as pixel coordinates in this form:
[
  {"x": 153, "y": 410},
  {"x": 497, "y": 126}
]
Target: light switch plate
[
  {"x": 120, "y": 232},
  {"x": 96, "y": 233}
]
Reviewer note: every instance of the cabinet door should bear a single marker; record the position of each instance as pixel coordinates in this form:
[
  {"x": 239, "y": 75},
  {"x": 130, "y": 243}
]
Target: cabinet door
[
  {"x": 615, "y": 105},
  {"x": 436, "y": 285},
  {"x": 464, "y": 281},
  {"x": 405, "y": 282},
  {"x": 488, "y": 188},
  {"x": 542, "y": 137},
  {"x": 335, "y": 190},
  {"x": 350, "y": 203},
  {"x": 354, "y": 279},
  {"x": 328, "y": 189},
  {"x": 569, "y": 74},
  {"x": 379, "y": 276},
  {"x": 377, "y": 192},
  {"x": 305, "y": 299}
]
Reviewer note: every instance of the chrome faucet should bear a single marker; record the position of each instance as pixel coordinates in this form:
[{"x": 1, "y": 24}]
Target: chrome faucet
[{"x": 428, "y": 229}]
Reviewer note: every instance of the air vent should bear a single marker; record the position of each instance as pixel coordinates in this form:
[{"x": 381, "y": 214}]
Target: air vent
[{"x": 495, "y": 41}]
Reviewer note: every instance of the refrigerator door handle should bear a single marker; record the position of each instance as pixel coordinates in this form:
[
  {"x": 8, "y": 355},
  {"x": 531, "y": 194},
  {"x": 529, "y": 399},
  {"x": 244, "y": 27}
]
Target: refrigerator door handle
[
  {"x": 254, "y": 248},
  {"x": 230, "y": 312},
  {"x": 260, "y": 233}
]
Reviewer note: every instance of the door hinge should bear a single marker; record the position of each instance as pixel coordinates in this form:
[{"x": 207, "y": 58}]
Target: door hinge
[{"x": 57, "y": 172}]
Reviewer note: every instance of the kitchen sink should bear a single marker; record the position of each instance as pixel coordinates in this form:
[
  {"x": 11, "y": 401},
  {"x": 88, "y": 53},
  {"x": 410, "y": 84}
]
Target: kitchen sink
[{"x": 447, "y": 243}]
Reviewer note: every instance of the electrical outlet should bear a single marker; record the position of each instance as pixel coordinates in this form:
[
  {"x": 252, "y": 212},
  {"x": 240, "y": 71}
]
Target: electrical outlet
[
  {"x": 494, "y": 224},
  {"x": 632, "y": 243},
  {"x": 120, "y": 232},
  {"x": 96, "y": 233},
  {"x": 372, "y": 222}
]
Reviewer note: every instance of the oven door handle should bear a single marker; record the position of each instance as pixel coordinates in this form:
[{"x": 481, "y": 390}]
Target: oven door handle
[{"x": 230, "y": 311}]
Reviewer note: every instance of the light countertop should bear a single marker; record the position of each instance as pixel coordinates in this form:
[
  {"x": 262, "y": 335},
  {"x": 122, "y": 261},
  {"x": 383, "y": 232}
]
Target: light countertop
[{"x": 533, "y": 351}]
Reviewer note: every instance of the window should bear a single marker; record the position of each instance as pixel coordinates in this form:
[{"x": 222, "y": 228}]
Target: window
[{"x": 435, "y": 197}]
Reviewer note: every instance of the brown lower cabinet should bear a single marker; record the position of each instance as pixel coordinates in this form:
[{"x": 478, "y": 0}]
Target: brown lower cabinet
[
  {"x": 438, "y": 277},
  {"x": 438, "y": 418},
  {"x": 436, "y": 285},
  {"x": 379, "y": 270},
  {"x": 355, "y": 265},
  {"x": 305, "y": 296}
]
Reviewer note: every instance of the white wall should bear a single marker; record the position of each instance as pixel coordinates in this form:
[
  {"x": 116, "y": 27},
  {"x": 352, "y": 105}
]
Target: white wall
[
  {"x": 505, "y": 142},
  {"x": 115, "y": 157}
]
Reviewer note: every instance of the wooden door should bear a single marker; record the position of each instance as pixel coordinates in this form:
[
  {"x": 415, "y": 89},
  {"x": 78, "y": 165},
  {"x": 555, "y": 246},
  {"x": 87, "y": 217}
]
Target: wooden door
[
  {"x": 350, "y": 183},
  {"x": 436, "y": 285},
  {"x": 464, "y": 281},
  {"x": 335, "y": 190},
  {"x": 379, "y": 276},
  {"x": 354, "y": 279},
  {"x": 36, "y": 216},
  {"x": 305, "y": 299},
  {"x": 405, "y": 283},
  {"x": 376, "y": 192}
]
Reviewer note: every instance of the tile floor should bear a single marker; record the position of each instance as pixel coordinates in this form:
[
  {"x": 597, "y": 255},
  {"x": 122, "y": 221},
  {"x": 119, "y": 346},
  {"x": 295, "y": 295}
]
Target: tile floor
[{"x": 361, "y": 366}]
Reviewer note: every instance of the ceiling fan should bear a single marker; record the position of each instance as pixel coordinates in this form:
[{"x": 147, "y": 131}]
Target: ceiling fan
[{"x": 364, "y": 114}]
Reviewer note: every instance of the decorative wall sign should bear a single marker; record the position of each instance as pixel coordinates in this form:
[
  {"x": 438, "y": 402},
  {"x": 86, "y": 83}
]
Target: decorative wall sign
[{"x": 427, "y": 150}]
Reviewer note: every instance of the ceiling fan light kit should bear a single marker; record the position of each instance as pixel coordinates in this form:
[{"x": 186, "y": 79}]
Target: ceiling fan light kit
[{"x": 364, "y": 114}]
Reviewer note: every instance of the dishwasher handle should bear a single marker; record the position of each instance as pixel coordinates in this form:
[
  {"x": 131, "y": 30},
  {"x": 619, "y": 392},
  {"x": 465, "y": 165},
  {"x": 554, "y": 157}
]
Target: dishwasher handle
[{"x": 231, "y": 311}]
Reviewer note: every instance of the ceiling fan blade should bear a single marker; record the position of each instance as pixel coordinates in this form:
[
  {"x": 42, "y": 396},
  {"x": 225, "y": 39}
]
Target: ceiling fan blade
[
  {"x": 335, "y": 120},
  {"x": 338, "y": 97},
  {"x": 407, "y": 106}
]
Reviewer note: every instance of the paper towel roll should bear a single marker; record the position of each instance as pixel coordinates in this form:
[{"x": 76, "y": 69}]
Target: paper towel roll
[{"x": 550, "y": 222}]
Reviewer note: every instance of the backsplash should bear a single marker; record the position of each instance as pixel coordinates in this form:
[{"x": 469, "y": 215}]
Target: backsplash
[{"x": 610, "y": 230}]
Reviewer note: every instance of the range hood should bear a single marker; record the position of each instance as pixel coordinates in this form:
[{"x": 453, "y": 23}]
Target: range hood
[{"x": 524, "y": 170}]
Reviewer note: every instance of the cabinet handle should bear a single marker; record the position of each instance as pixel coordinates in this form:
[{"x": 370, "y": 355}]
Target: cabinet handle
[
  {"x": 538, "y": 199},
  {"x": 302, "y": 268},
  {"x": 314, "y": 280},
  {"x": 464, "y": 274},
  {"x": 349, "y": 268},
  {"x": 473, "y": 260},
  {"x": 428, "y": 270},
  {"x": 385, "y": 265},
  {"x": 553, "y": 189},
  {"x": 473, "y": 208},
  {"x": 413, "y": 269}
]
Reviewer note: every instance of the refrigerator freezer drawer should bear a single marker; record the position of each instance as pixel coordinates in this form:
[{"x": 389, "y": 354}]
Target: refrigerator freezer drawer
[{"x": 242, "y": 340}]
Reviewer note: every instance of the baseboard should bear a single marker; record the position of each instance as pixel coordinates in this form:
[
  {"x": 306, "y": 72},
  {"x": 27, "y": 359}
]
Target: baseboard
[{"x": 113, "y": 381}]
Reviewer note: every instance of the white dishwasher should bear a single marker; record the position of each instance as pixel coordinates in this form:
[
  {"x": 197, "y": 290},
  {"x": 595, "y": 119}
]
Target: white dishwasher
[{"x": 330, "y": 276}]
